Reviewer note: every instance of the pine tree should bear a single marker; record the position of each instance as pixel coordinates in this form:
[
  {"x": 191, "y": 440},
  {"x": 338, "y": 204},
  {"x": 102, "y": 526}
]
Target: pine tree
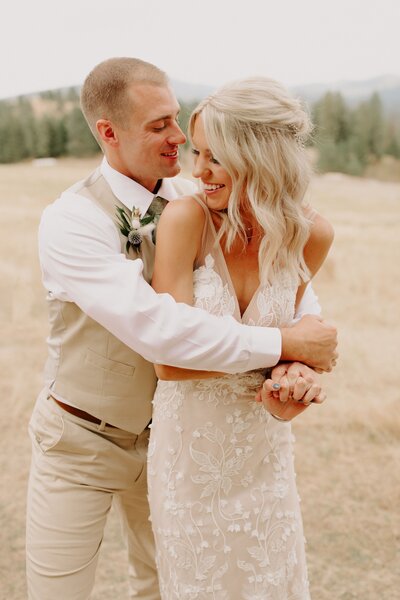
[
  {"x": 27, "y": 119},
  {"x": 348, "y": 140},
  {"x": 332, "y": 135},
  {"x": 392, "y": 138},
  {"x": 80, "y": 139}
]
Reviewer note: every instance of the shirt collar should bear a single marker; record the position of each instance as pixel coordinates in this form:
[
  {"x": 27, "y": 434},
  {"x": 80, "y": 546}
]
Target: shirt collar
[{"x": 130, "y": 192}]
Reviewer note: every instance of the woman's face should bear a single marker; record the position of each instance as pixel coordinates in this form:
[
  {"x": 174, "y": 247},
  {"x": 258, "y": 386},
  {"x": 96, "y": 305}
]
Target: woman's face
[{"x": 216, "y": 183}]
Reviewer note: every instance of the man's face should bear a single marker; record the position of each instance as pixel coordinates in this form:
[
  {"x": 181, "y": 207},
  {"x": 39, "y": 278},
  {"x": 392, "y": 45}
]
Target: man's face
[{"x": 148, "y": 145}]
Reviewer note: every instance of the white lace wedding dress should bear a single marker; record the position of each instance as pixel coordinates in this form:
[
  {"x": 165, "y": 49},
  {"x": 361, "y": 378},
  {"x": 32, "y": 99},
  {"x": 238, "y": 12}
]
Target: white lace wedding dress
[{"x": 223, "y": 499}]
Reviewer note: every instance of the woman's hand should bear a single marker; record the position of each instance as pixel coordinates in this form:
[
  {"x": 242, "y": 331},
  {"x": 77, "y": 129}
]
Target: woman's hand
[{"x": 290, "y": 390}]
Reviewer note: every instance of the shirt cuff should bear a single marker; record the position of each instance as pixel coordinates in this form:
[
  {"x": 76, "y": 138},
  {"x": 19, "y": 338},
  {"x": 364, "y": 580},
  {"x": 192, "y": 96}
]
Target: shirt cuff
[{"x": 266, "y": 347}]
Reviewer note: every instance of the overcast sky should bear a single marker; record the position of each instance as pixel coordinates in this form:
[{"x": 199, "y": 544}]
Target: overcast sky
[{"x": 47, "y": 44}]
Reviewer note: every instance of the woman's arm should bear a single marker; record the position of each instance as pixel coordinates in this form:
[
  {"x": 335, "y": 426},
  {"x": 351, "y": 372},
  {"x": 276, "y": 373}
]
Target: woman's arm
[
  {"x": 293, "y": 394},
  {"x": 316, "y": 249},
  {"x": 179, "y": 234}
]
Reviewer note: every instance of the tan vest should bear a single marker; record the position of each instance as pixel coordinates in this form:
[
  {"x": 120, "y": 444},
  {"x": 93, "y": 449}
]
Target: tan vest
[{"x": 87, "y": 366}]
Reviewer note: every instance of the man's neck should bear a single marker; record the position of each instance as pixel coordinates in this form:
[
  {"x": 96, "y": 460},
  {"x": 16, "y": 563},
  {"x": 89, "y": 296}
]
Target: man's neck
[{"x": 117, "y": 166}]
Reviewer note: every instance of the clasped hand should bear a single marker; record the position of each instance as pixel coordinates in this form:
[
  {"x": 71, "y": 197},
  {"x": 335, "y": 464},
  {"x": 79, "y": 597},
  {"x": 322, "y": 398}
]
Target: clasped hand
[{"x": 290, "y": 390}]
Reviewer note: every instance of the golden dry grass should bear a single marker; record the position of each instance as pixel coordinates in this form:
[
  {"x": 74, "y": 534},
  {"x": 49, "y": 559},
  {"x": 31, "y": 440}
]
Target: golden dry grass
[{"x": 348, "y": 450}]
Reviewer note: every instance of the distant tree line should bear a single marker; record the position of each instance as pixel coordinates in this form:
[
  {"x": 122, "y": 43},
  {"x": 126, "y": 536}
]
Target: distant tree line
[
  {"x": 52, "y": 124},
  {"x": 348, "y": 139}
]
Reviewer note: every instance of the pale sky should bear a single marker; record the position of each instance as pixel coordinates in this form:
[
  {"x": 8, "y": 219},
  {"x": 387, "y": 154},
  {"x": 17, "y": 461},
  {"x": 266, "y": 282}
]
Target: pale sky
[{"x": 46, "y": 44}]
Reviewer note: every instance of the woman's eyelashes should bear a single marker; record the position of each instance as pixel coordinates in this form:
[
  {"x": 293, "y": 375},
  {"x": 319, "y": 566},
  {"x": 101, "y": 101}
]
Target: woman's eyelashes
[{"x": 210, "y": 157}]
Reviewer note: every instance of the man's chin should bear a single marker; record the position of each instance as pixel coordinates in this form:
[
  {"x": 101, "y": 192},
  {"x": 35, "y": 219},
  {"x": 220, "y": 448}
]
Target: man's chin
[{"x": 173, "y": 170}]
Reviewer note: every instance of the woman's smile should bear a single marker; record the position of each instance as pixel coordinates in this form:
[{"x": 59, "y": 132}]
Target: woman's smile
[{"x": 212, "y": 188}]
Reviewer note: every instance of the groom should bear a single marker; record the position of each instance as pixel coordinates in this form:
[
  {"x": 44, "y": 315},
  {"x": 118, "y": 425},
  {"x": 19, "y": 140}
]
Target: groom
[{"x": 89, "y": 428}]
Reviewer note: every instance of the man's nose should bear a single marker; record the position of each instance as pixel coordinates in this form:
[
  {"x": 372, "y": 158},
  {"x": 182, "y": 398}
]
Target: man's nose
[{"x": 177, "y": 136}]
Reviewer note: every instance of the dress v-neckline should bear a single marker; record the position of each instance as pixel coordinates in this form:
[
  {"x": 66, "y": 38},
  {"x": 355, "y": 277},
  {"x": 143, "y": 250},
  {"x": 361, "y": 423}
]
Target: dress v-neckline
[{"x": 229, "y": 278}]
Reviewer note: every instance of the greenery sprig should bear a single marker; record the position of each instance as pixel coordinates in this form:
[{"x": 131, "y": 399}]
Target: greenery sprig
[{"x": 136, "y": 227}]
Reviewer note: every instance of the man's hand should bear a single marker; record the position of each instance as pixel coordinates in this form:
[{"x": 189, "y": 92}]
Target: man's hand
[
  {"x": 311, "y": 341},
  {"x": 291, "y": 388}
]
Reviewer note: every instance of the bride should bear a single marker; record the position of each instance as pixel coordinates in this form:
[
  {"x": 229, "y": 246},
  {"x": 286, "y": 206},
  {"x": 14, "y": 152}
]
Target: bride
[{"x": 224, "y": 505}]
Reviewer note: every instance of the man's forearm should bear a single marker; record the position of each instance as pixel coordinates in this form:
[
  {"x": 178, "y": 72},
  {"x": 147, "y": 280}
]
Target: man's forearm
[{"x": 311, "y": 341}]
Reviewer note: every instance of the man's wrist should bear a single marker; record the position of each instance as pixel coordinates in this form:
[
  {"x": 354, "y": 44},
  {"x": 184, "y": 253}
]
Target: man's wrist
[
  {"x": 290, "y": 347},
  {"x": 286, "y": 344}
]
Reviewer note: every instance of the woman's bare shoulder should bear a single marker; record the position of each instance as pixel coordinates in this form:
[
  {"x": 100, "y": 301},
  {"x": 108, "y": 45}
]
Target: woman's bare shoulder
[
  {"x": 184, "y": 216},
  {"x": 321, "y": 231},
  {"x": 183, "y": 212},
  {"x": 319, "y": 242}
]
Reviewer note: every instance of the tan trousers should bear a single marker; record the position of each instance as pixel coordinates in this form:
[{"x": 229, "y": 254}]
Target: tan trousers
[{"x": 78, "y": 469}]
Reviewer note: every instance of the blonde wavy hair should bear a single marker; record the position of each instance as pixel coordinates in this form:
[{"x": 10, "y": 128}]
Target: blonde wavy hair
[{"x": 256, "y": 131}]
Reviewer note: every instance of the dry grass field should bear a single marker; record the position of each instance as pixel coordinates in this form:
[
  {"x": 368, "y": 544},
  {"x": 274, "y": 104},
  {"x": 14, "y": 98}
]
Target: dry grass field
[{"x": 348, "y": 450}]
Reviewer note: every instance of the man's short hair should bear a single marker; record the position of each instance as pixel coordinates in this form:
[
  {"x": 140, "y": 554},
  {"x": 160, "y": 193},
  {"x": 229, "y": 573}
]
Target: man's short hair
[{"x": 105, "y": 92}]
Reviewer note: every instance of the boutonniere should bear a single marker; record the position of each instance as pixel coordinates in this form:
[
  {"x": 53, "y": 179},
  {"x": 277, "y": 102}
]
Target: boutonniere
[{"x": 136, "y": 227}]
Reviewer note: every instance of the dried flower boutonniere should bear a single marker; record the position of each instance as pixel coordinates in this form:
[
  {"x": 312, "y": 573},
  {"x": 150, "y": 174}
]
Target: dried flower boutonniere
[{"x": 136, "y": 227}]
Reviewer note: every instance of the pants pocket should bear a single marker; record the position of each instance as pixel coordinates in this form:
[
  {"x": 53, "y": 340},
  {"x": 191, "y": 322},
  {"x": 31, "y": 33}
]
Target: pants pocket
[{"x": 46, "y": 427}]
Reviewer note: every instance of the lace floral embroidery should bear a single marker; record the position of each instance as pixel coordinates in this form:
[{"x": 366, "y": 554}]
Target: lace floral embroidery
[
  {"x": 275, "y": 303},
  {"x": 210, "y": 293},
  {"x": 225, "y": 509}
]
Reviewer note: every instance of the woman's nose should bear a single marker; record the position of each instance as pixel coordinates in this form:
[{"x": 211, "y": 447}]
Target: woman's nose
[{"x": 199, "y": 167}]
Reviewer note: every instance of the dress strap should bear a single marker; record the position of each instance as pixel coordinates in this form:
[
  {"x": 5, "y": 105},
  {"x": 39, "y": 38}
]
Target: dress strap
[
  {"x": 309, "y": 212},
  {"x": 207, "y": 238}
]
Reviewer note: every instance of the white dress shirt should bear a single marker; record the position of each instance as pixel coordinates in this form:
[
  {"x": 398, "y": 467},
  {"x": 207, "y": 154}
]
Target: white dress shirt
[{"x": 81, "y": 261}]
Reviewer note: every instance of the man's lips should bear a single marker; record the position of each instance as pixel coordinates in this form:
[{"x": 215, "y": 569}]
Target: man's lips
[{"x": 172, "y": 154}]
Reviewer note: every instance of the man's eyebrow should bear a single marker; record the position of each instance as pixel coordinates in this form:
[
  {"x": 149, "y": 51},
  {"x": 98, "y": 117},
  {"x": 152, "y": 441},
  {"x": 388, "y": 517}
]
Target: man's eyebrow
[{"x": 164, "y": 117}]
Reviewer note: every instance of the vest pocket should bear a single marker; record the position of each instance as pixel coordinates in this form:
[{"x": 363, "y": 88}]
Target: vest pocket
[{"x": 106, "y": 364}]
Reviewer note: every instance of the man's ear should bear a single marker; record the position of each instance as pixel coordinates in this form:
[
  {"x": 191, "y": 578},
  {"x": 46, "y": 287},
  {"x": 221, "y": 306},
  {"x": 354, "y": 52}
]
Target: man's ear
[{"x": 106, "y": 132}]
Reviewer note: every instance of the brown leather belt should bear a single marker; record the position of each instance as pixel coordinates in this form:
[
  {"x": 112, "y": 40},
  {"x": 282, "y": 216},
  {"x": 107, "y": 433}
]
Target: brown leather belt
[{"x": 77, "y": 412}]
